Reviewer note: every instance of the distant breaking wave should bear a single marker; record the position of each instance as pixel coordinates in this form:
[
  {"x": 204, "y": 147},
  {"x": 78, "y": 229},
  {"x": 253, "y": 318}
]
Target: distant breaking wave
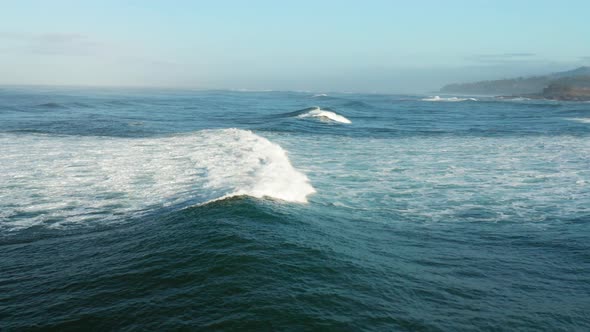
[
  {"x": 63, "y": 179},
  {"x": 449, "y": 99},
  {"x": 324, "y": 115},
  {"x": 581, "y": 120}
]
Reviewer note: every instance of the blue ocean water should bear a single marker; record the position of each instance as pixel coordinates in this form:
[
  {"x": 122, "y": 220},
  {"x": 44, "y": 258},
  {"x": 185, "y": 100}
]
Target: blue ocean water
[{"x": 229, "y": 210}]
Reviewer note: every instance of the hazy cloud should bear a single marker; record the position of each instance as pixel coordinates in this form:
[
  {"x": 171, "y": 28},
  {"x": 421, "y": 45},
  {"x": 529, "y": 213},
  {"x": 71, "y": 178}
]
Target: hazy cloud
[
  {"x": 75, "y": 44},
  {"x": 53, "y": 43},
  {"x": 502, "y": 57},
  {"x": 65, "y": 44}
]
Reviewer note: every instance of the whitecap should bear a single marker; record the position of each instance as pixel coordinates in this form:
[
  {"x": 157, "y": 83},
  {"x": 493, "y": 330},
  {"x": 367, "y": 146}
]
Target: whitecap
[
  {"x": 324, "y": 115},
  {"x": 448, "y": 99},
  {"x": 63, "y": 179},
  {"x": 580, "y": 120}
]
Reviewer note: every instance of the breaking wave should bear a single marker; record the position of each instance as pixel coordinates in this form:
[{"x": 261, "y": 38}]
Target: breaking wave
[
  {"x": 448, "y": 99},
  {"x": 323, "y": 115},
  {"x": 51, "y": 180},
  {"x": 580, "y": 120}
]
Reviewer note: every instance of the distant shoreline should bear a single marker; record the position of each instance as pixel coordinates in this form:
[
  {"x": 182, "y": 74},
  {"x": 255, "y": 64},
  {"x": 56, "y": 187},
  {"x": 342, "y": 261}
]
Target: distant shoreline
[{"x": 572, "y": 85}]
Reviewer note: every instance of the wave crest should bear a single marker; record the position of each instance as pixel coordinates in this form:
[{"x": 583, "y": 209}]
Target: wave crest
[
  {"x": 448, "y": 99},
  {"x": 62, "y": 179},
  {"x": 580, "y": 120},
  {"x": 324, "y": 115}
]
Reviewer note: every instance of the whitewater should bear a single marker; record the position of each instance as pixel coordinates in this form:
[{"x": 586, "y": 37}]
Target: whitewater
[
  {"x": 56, "y": 180},
  {"x": 324, "y": 115}
]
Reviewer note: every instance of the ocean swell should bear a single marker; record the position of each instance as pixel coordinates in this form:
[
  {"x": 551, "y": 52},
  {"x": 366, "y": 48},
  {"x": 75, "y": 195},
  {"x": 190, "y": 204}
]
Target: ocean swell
[{"x": 55, "y": 180}]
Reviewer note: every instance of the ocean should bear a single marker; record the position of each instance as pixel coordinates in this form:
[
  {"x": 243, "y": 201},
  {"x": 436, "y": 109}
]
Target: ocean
[{"x": 145, "y": 209}]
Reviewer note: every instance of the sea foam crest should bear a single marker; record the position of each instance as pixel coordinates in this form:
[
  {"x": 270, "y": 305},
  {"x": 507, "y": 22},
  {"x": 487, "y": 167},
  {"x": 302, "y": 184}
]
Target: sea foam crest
[
  {"x": 324, "y": 115},
  {"x": 448, "y": 99},
  {"x": 61, "y": 179},
  {"x": 580, "y": 120}
]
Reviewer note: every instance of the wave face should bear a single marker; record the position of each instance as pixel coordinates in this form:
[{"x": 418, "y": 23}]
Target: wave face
[
  {"x": 64, "y": 179},
  {"x": 324, "y": 115},
  {"x": 448, "y": 99}
]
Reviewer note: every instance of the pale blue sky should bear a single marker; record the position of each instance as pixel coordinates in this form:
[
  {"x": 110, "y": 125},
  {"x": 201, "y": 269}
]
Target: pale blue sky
[{"x": 385, "y": 46}]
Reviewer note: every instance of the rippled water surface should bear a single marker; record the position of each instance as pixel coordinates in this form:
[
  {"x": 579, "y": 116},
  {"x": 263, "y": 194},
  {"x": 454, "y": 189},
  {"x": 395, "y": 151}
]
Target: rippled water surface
[{"x": 221, "y": 210}]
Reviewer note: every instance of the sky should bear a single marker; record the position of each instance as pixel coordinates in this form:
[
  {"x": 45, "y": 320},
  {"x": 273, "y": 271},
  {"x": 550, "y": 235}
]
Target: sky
[{"x": 357, "y": 46}]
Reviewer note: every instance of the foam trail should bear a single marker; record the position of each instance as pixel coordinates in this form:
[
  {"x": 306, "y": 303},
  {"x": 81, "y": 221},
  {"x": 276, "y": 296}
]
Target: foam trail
[
  {"x": 449, "y": 99},
  {"x": 55, "y": 180},
  {"x": 324, "y": 115}
]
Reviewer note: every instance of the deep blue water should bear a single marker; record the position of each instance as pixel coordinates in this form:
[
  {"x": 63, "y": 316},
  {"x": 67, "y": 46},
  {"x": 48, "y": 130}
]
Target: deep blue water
[{"x": 226, "y": 210}]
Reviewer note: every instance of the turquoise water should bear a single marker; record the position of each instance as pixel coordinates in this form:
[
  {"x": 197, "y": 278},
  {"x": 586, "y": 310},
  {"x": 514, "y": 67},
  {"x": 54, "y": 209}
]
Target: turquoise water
[{"x": 228, "y": 210}]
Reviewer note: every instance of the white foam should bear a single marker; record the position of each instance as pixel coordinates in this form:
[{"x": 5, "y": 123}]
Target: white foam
[
  {"x": 514, "y": 98},
  {"x": 324, "y": 115},
  {"x": 449, "y": 99},
  {"x": 62, "y": 179},
  {"x": 580, "y": 120},
  {"x": 529, "y": 178},
  {"x": 319, "y": 95}
]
